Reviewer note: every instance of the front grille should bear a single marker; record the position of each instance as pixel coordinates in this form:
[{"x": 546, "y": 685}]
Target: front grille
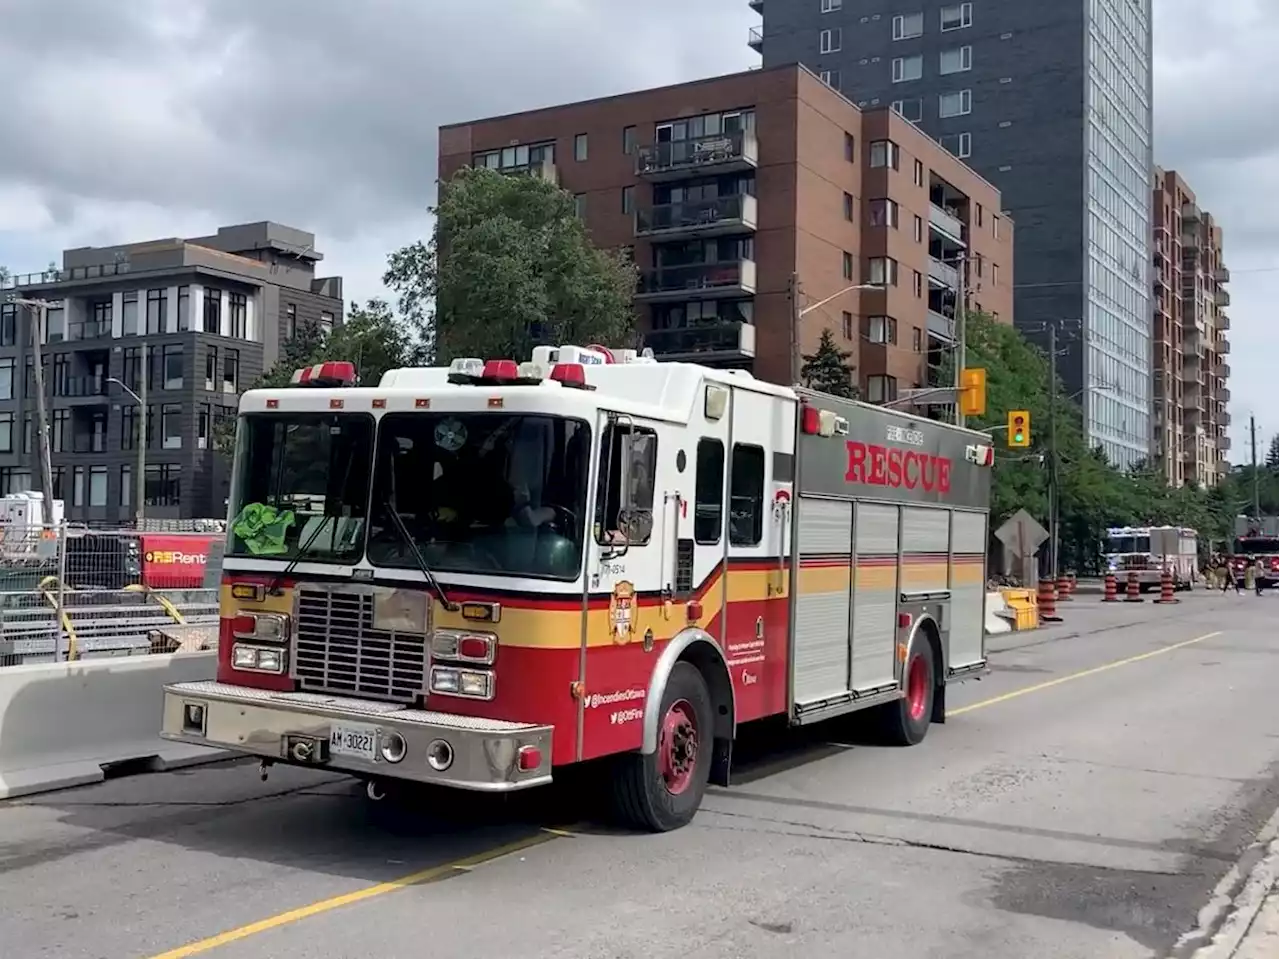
[{"x": 337, "y": 650}]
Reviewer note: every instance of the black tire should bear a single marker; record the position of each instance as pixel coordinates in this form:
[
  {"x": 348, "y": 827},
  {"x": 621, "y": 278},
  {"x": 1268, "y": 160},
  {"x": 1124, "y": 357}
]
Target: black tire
[
  {"x": 906, "y": 722},
  {"x": 642, "y": 799}
]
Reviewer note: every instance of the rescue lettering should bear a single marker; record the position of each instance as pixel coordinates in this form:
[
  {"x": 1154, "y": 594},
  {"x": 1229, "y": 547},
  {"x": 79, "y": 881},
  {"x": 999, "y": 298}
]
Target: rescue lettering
[{"x": 875, "y": 465}]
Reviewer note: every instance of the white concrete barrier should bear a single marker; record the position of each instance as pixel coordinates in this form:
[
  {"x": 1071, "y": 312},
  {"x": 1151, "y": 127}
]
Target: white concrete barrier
[
  {"x": 994, "y": 611},
  {"x": 61, "y": 723}
]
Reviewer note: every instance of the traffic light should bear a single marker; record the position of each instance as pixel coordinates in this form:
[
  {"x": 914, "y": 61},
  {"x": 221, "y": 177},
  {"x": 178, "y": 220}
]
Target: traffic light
[
  {"x": 973, "y": 392},
  {"x": 1019, "y": 429}
]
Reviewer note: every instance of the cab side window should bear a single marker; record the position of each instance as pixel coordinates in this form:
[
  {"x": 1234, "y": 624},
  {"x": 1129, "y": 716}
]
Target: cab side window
[
  {"x": 746, "y": 491},
  {"x": 708, "y": 496},
  {"x": 625, "y": 493}
]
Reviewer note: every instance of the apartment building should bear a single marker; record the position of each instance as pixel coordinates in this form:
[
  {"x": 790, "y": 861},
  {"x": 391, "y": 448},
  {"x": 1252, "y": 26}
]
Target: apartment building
[
  {"x": 199, "y": 318},
  {"x": 1190, "y": 348},
  {"x": 1051, "y": 103},
  {"x": 724, "y": 189}
]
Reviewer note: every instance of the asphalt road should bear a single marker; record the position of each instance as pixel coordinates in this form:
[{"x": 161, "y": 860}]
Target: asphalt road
[{"x": 1082, "y": 801}]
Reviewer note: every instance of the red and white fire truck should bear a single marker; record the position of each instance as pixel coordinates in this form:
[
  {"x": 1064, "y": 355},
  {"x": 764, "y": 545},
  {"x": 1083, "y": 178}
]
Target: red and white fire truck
[
  {"x": 1255, "y": 539},
  {"x": 472, "y": 576}
]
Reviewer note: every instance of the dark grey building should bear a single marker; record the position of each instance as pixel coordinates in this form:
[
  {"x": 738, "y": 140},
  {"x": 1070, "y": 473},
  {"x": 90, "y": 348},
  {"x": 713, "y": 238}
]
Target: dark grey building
[
  {"x": 200, "y": 318},
  {"x": 1051, "y": 102}
]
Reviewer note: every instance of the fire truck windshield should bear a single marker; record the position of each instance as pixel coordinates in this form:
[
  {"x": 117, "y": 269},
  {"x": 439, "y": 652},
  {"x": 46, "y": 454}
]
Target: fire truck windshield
[
  {"x": 485, "y": 492},
  {"x": 1128, "y": 544},
  {"x": 302, "y": 483}
]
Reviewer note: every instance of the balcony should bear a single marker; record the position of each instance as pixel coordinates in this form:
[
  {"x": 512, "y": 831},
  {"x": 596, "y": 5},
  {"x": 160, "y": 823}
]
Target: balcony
[
  {"x": 1190, "y": 213},
  {"x": 755, "y": 40},
  {"x": 941, "y": 327},
  {"x": 82, "y": 388},
  {"x": 756, "y": 5},
  {"x": 707, "y": 155},
  {"x": 943, "y": 274},
  {"x": 726, "y": 214},
  {"x": 1223, "y": 322},
  {"x": 704, "y": 344},
  {"x": 1224, "y": 394},
  {"x": 1221, "y": 297},
  {"x": 1223, "y": 347},
  {"x": 1224, "y": 442},
  {"x": 1222, "y": 370},
  {"x": 950, "y": 226},
  {"x": 703, "y": 281},
  {"x": 1222, "y": 274}
]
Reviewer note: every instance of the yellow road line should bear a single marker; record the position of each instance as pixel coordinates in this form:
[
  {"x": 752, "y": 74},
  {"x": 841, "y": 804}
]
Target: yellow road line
[
  {"x": 1014, "y": 694},
  {"x": 464, "y": 864}
]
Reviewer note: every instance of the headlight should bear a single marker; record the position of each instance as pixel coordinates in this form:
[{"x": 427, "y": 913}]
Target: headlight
[
  {"x": 470, "y": 683},
  {"x": 257, "y": 659}
]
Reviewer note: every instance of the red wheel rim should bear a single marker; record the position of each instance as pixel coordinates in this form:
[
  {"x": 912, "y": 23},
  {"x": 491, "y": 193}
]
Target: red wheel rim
[
  {"x": 678, "y": 747},
  {"x": 917, "y": 687}
]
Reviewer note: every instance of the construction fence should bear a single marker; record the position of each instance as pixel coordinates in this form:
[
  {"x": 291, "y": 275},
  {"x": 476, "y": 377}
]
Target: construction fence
[{"x": 70, "y": 592}]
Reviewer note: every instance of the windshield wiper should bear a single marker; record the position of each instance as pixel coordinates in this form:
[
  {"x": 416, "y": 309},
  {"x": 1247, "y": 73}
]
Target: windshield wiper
[
  {"x": 303, "y": 549},
  {"x": 399, "y": 523}
]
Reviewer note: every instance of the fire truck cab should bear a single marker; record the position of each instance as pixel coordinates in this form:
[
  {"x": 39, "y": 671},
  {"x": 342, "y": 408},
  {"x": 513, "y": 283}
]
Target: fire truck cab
[{"x": 471, "y": 576}]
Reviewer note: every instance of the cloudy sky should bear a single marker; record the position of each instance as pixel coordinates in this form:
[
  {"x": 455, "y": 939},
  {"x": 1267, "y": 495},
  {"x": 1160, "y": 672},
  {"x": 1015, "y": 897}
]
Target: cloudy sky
[{"x": 134, "y": 119}]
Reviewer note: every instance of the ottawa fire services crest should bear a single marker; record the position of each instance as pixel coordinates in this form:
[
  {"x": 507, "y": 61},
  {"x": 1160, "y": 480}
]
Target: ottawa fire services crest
[{"x": 622, "y": 612}]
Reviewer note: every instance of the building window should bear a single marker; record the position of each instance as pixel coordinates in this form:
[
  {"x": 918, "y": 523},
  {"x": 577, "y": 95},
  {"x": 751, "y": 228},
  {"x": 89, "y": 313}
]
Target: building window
[
  {"x": 846, "y": 266},
  {"x": 977, "y": 214},
  {"x": 27, "y": 435},
  {"x": 995, "y": 274},
  {"x": 628, "y": 140},
  {"x": 957, "y": 144},
  {"x": 129, "y": 314},
  {"x": 580, "y": 205},
  {"x": 580, "y": 147},
  {"x": 6, "y": 432},
  {"x": 172, "y": 366},
  {"x": 831, "y": 78},
  {"x": 829, "y": 40},
  {"x": 908, "y": 68},
  {"x": 8, "y": 324},
  {"x": 291, "y": 320},
  {"x": 56, "y": 330},
  {"x": 238, "y": 305},
  {"x": 129, "y": 416},
  {"x": 60, "y": 429},
  {"x": 8, "y": 367},
  {"x": 955, "y": 60},
  {"x": 849, "y": 153},
  {"x": 523, "y": 157},
  {"x": 912, "y": 109},
  {"x": 881, "y": 329},
  {"x": 59, "y": 482},
  {"x": 884, "y": 153},
  {"x": 171, "y": 426},
  {"x": 956, "y": 16},
  {"x": 164, "y": 481},
  {"x": 830, "y": 6},
  {"x": 97, "y": 486},
  {"x": 157, "y": 307},
  {"x": 628, "y": 200},
  {"x": 77, "y": 486},
  {"x": 917, "y": 172},
  {"x": 846, "y": 324},
  {"x": 908, "y": 25},
  {"x": 211, "y": 370},
  {"x": 212, "y": 311},
  {"x": 746, "y": 495},
  {"x": 848, "y": 207},
  {"x": 126, "y": 484},
  {"x": 231, "y": 372},
  {"x": 917, "y": 283},
  {"x": 326, "y": 323},
  {"x": 917, "y": 229},
  {"x": 955, "y": 104},
  {"x": 995, "y": 224},
  {"x": 202, "y": 428},
  {"x": 884, "y": 213},
  {"x": 132, "y": 369},
  {"x": 882, "y": 389},
  {"x": 882, "y": 271},
  {"x": 917, "y": 340},
  {"x": 184, "y": 309}
]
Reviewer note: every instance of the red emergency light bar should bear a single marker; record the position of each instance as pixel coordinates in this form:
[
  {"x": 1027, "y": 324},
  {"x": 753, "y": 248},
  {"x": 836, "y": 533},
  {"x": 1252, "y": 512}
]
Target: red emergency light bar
[{"x": 331, "y": 373}]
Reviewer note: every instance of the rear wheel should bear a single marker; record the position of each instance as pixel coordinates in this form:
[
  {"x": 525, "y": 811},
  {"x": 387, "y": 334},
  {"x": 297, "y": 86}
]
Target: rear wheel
[
  {"x": 663, "y": 790},
  {"x": 906, "y": 722}
]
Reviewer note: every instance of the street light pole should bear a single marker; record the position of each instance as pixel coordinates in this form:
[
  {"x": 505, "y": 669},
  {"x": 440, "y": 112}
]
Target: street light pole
[
  {"x": 797, "y": 314},
  {"x": 140, "y": 484},
  {"x": 37, "y": 310},
  {"x": 1053, "y": 451}
]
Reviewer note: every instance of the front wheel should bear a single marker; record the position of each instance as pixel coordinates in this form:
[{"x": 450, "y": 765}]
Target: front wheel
[
  {"x": 906, "y": 722},
  {"x": 663, "y": 790}
]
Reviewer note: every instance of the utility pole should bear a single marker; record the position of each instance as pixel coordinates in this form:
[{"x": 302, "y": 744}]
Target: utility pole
[
  {"x": 793, "y": 301},
  {"x": 1053, "y": 451},
  {"x": 962, "y": 267},
  {"x": 36, "y": 309},
  {"x": 1253, "y": 456}
]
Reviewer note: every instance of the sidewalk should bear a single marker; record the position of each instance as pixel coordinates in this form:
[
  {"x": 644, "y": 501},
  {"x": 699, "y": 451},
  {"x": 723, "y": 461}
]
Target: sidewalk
[{"x": 1262, "y": 941}]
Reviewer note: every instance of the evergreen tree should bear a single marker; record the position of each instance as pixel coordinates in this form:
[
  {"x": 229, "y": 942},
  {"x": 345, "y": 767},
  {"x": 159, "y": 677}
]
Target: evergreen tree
[
  {"x": 1273, "y": 454},
  {"x": 829, "y": 369}
]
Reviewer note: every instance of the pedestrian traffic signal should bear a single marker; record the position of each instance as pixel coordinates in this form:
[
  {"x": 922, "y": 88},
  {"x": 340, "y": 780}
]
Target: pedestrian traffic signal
[
  {"x": 1019, "y": 429},
  {"x": 973, "y": 392}
]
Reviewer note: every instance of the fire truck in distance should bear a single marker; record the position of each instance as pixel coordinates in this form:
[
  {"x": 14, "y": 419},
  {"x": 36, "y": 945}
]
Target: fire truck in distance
[
  {"x": 472, "y": 576},
  {"x": 1256, "y": 539}
]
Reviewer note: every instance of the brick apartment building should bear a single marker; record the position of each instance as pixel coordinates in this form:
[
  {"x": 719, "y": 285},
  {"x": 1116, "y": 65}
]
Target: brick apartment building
[
  {"x": 724, "y": 188},
  {"x": 1189, "y": 344},
  {"x": 203, "y": 317}
]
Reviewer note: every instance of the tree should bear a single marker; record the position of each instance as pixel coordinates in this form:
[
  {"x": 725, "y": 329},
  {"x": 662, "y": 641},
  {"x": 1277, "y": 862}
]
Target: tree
[
  {"x": 511, "y": 266},
  {"x": 1273, "y": 454},
  {"x": 829, "y": 369}
]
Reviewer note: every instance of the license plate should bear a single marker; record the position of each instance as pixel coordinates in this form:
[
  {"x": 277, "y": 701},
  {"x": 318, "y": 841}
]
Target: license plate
[{"x": 354, "y": 739}]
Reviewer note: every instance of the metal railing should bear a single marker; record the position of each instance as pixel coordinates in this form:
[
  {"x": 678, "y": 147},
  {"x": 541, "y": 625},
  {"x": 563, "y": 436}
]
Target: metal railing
[{"x": 69, "y": 593}]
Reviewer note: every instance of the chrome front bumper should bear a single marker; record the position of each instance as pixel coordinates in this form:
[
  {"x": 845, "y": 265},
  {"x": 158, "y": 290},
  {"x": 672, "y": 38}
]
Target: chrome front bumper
[{"x": 269, "y": 724}]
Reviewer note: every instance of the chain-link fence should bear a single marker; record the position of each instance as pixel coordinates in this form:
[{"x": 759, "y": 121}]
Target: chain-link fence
[{"x": 71, "y": 592}]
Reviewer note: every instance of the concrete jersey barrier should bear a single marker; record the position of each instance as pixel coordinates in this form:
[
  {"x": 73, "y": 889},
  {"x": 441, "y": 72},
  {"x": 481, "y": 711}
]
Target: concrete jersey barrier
[
  {"x": 62, "y": 723},
  {"x": 994, "y": 612}
]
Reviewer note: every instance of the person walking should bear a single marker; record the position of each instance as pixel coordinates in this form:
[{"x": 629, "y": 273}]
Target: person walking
[
  {"x": 1258, "y": 569},
  {"x": 1229, "y": 576}
]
